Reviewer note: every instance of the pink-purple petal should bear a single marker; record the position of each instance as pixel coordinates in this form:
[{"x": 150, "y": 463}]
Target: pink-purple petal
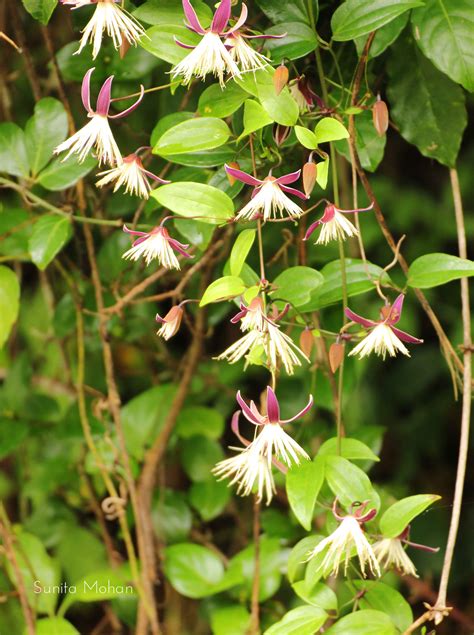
[
  {"x": 133, "y": 232},
  {"x": 263, "y": 36},
  {"x": 288, "y": 178},
  {"x": 179, "y": 247},
  {"x": 156, "y": 178},
  {"x": 359, "y": 319},
  {"x": 396, "y": 310},
  {"x": 159, "y": 319},
  {"x": 241, "y": 21},
  {"x": 312, "y": 228},
  {"x": 131, "y": 108},
  {"x": 238, "y": 316},
  {"x": 355, "y": 211},
  {"x": 295, "y": 192},
  {"x": 301, "y": 413},
  {"x": 235, "y": 428},
  {"x": 183, "y": 45},
  {"x": 86, "y": 90},
  {"x": 273, "y": 407},
  {"x": 221, "y": 17},
  {"x": 242, "y": 176},
  {"x": 103, "y": 100},
  {"x": 406, "y": 337},
  {"x": 192, "y": 18},
  {"x": 247, "y": 412}
]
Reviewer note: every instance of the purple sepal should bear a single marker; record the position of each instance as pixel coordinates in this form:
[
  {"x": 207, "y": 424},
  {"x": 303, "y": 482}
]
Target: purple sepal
[
  {"x": 159, "y": 319},
  {"x": 273, "y": 408},
  {"x": 156, "y": 178},
  {"x": 86, "y": 90},
  {"x": 103, "y": 100},
  {"x": 286, "y": 179},
  {"x": 238, "y": 316},
  {"x": 242, "y": 176},
  {"x": 183, "y": 45},
  {"x": 133, "y": 232},
  {"x": 192, "y": 18},
  {"x": 359, "y": 319},
  {"x": 131, "y": 108},
  {"x": 301, "y": 413},
  {"x": 295, "y": 192},
  {"x": 221, "y": 17},
  {"x": 240, "y": 22},
  {"x": 312, "y": 228},
  {"x": 235, "y": 428},
  {"x": 179, "y": 247},
  {"x": 263, "y": 36},
  {"x": 355, "y": 211},
  {"x": 247, "y": 412},
  {"x": 396, "y": 310},
  {"x": 405, "y": 337}
]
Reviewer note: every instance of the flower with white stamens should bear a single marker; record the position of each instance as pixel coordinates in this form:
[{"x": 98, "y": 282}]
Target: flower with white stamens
[
  {"x": 243, "y": 347},
  {"x": 390, "y": 552},
  {"x": 97, "y": 133},
  {"x": 251, "y": 316},
  {"x": 340, "y": 545},
  {"x": 131, "y": 174},
  {"x": 334, "y": 225},
  {"x": 269, "y": 198},
  {"x": 111, "y": 18},
  {"x": 244, "y": 55},
  {"x": 383, "y": 336},
  {"x": 170, "y": 323},
  {"x": 156, "y": 244}
]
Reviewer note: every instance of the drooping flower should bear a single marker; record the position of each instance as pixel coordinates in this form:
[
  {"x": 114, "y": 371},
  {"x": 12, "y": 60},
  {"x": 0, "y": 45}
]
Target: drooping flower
[
  {"x": 269, "y": 198},
  {"x": 348, "y": 536},
  {"x": 334, "y": 225},
  {"x": 383, "y": 336},
  {"x": 97, "y": 133},
  {"x": 156, "y": 244},
  {"x": 108, "y": 16},
  {"x": 210, "y": 55},
  {"x": 132, "y": 174},
  {"x": 263, "y": 334},
  {"x": 303, "y": 94},
  {"x": 270, "y": 439},
  {"x": 170, "y": 323},
  {"x": 390, "y": 552}
]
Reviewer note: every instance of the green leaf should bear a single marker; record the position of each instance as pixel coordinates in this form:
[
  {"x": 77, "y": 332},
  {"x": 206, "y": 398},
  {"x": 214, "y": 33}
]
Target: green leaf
[
  {"x": 209, "y": 498},
  {"x": 349, "y": 483},
  {"x": 432, "y": 270},
  {"x": 194, "y": 135},
  {"x": 171, "y": 12},
  {"x": 318, "y": 594},
  {"x": 54, "y": 626},
  {"x": 370, "y": 146},
  {"x": 426, "y": 105},
  {"x": 297, "y": 284},
  {"x": 281, "y": 108},
  {"x": 230, "y": 620},
  {"x": 159, "y": 41},
  {"x": 299, "y": 555},
  {"x": 193, "y": 570},
  {"x": 74, "y": 543},
  {"x": 242, "y": 566},
  {"x": 352, "y": 449},
  {"x": 299, "y": 40},
  {"x": 195, "y": 199},
  {"x": 240, "y": 250},
  {"x": 366, "y": 622},
  {"x": 322, "y": 173},
  {"x": 358, "y": 282},
  {"x": 198, "y": 456},
  {"x": 49, "y": 236},
  {"x": 221, "y": 102},
  {"x": 354, "y": 18},
  {"x": 13, "y": 155},
  {"x": 304, "y": 620},
  {"x": 105, "y": 584},
  {"x": 143, "y": 416},
  {"x": 330, "y": 129},
  {"x": 443, "y": 31},
  {"x": 44, "y": 131},
  {"x": 399, "y": 515},
  {"x": 41, "y": 10},
  {"x": 9, "y": 301},
  {"x": 169, "y": 121},
  {"x": 382, "y": 597},
  {"x": 199, "y": 420},
  {"x": 306, "y": 137},
  {"x": 255, "y": 117},
  {"x": 303, "y": 483},
  {"x": 171, "y": 516},
  {"x": 12, "y": 433},
  {"x": 60, "y": 174},
  {"x": 283, "y": 12},
  {"x": 223, "y": 289},
  {"x": 384, "y": 37}
]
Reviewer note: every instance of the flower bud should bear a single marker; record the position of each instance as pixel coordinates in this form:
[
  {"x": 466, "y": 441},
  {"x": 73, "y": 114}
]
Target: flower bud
[
  {"x": 235, "y": 166},
  {"x": 380, "y": 117},
  {"x": 280, "y": 133},
  {"x": 306, "y": 341},
  {"x": 170, "y": 323},
  {"x": 124, "y": 48},
  {"x": 310, "y": 171},
  {"x": 336, "y": 355},
  {"x": 280, "y": 78}
]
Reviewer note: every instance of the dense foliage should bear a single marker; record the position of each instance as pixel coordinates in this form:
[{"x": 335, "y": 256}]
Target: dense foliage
[{"x": 214, "y": 249}]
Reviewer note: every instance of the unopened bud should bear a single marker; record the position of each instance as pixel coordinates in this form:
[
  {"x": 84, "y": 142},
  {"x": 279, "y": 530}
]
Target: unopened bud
[
  {"x": 170, "y": 323},
  {"x": 336, "y": 355},
  {"x": 310, "y": 172},
  {"x": 235, "y": 166},
  {"x": 380, "y": 117},
  {"x": 280, "y": 78},
  {"x": 280, "y": 133},
  {"x": 306, "y": 341},
  {"x": 124, "y": 47}
]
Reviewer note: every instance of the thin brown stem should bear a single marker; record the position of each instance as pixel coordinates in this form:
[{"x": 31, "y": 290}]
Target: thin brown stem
[{"x": 254, "y": 628}]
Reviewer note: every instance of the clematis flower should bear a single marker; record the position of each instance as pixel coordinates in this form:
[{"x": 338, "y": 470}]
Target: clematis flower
[
  {"x": 108, "y": 16},
  {"x": 383, "y": 336},
  {"x": 210, "y": 55},
  {"x": 97, "y": 133},
  {"x": 334, "y": 225},
  {"x": 156, "y": 244},
  {"x": 303, "y": 94},
  {"x": 170, "y": 323},
  {"x": 265, "y": 335},
  {"x": 268, "y": 197},
  {"x": 132, "y": 174},
  {"x": 390, "y": 552},
  {"x": 270, "y": 438},
  {"x": 347, "y": 537}
]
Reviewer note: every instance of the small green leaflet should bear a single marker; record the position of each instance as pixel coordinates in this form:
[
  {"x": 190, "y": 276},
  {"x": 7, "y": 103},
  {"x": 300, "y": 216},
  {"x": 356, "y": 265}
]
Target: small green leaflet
[{"x": 50, "y": 234}]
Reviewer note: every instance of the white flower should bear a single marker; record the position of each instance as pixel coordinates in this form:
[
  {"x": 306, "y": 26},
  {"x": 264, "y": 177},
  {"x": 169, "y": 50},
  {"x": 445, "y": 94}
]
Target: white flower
[
  {"x": 132, "y": 175},
  {"x": 381, "y": 340},
  {"x": 340, "y": 545},
  {"x": 278, "y": 345},
  {"x": 209, "y": 56},
  {"x": 248, "y": 469},
  {"x": 156, "y": 244},
  {"x": 170, "y": 323},
  {"x": 338, "y": 228},
  {"x": 391, "y": 553},
  {"x": 270, "y": 200},
  {"x": 243, "y": 346},
  {"x": 110, "y": 17},
  {"x": 95, "y": 134},
  {"x": 272, "y": 439},
  {"x": 244, "y": 55}
]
